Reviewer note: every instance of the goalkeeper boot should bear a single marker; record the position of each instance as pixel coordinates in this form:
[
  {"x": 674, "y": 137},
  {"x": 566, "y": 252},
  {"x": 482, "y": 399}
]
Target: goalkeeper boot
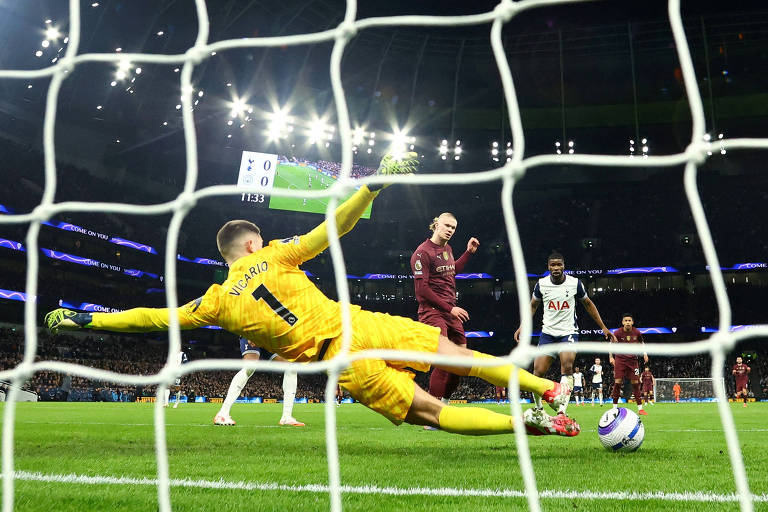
[
  {"x": 66, "y": 320},
  {"x": 539, "y": 423},
  {"x": 290, "y": 422},
  {"x": 558, "y": 396},
  {"x": 221, "y": 419}
]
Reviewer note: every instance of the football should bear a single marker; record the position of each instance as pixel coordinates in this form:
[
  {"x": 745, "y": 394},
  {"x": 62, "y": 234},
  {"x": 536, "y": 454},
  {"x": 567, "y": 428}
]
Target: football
[{"x": 621, "y": 430}]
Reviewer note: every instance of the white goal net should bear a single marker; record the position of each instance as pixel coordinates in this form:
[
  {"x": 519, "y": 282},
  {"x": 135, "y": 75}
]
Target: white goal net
[
  {"x": 695, "y": 154},
  {"x": 691, "y": 389}
]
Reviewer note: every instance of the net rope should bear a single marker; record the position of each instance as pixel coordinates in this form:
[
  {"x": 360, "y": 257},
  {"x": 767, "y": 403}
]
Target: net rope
[{"x": 718, "y": 345}]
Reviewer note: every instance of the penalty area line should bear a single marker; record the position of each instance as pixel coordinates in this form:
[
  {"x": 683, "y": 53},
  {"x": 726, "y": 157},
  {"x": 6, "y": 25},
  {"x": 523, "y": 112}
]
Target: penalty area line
[{"x": 72, "y": 478}]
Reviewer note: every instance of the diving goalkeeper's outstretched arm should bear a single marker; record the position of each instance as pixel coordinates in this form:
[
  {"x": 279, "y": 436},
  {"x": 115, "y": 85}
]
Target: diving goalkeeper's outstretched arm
[
  {"x": 197, "y": 313},
  {"x": 350, "y": 211},
  {"x": 236, "y": 239}
]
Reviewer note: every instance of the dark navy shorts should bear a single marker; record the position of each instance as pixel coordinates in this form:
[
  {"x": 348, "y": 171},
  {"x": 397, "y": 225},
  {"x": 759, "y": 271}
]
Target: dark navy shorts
[
  {"x": 247, "y": 348},
  {"x": 546, "y": 339}
]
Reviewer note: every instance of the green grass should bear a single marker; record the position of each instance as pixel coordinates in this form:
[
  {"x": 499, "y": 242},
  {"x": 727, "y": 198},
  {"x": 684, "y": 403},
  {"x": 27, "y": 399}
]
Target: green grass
[
  {"x": 684, "y": 450},
  {"x": 292, "y": 177}
]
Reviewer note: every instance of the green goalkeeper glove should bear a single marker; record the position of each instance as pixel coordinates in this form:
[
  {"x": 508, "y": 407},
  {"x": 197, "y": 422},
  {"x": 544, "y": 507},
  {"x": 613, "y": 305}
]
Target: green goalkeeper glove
[
  {"x": 391, "y": 165},
  {"x": 66, "y": 320}
]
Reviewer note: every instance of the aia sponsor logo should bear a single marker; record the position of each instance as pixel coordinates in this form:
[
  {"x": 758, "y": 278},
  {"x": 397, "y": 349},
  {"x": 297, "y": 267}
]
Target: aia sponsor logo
[{"x": 557, "y": 305}]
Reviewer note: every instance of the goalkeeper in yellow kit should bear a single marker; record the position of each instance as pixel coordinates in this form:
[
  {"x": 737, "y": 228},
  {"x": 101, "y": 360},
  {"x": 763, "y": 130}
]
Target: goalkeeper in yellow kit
[{"x": 269, "y": 301}]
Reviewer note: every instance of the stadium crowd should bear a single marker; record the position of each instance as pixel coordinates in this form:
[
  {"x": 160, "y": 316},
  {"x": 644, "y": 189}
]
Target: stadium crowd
[{"x": 140, "y": 356}]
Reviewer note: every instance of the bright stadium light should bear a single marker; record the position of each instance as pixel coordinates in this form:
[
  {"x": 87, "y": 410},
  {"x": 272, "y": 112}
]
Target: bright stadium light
[
  {"x": 52, "y": 33},
  {"x": 457, "y": 151},
  {"x": 317, "y": 131},
  {"x": 237, "y": 107},
  {"x": 279, "y": 125},
  {"x": 494, "y": 144},
  {"x": 399, "y": 142},
  {"x": 358, "y": 134},
  {"x": 494, "y": 152}
]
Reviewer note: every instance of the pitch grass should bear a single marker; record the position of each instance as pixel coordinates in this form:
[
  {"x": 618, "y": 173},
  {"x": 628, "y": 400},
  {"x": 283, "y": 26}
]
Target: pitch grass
[
  {"x": 293, "y": 177},
  {"x": 684, "y": 450}
]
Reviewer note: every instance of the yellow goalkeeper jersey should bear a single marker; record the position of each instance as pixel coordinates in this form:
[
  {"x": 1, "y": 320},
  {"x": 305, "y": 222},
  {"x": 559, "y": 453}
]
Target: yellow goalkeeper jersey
[{"x": 266, "y": 298}]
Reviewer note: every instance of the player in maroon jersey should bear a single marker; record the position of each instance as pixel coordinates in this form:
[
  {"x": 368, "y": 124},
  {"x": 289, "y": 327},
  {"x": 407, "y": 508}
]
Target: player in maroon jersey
[
  {"x": 501, "y": 393},
  {"x": 625, "y": 366},
  {"x": 647, "y": 380},
  {"x": 741, "y": 375},
  {"x": 434, "y": 271}
]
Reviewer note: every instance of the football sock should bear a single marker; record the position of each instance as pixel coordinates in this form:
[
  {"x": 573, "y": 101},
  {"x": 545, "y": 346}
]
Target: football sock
[
  {"x": 537, "y": 401},
  {"x": 451, "y": 383},
  {"x": 638, "y": 395},
  {"x": 290, "y": 380},
  {"x": 178, "y": 397},
  {"x": 616, "y": 391},
  {"x": 438, "y": 381},
  {"x": 474, "y": 421},
  {"x": 167, "y": 396},
  {"x": 235, "y": 387},
  {"x": 499, "y": 376},
  {"x": 564, "y": 381}
]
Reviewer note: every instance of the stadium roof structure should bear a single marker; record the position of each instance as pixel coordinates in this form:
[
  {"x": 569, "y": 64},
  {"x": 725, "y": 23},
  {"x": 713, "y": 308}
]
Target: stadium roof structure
[{"x": 576, "y": 67}]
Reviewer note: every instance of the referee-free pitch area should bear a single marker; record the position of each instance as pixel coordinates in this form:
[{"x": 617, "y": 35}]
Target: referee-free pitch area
[
  {"x": 96, "y": 456},
  {"x": 297, "y": 178}
]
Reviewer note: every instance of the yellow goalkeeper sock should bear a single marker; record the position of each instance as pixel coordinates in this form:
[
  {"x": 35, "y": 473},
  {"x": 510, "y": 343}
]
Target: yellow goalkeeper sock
[
  {"x": 499, "y": 376},
  {"x": 474, "y": 421}
]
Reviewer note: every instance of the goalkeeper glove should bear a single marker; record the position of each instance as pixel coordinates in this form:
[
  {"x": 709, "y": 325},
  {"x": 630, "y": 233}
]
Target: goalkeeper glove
[
  {"x": 390, "y": 165},
  {"x": 66, "y": 320}
]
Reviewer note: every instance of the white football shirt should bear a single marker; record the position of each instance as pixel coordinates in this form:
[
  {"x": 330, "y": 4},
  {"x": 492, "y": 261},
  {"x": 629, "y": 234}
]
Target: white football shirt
[
  {"x": 597, "y": 373},
  {"x": 578, "y": 380},
  {"x": 181, "y": 358},
  {"x": 559, "y": 303}
]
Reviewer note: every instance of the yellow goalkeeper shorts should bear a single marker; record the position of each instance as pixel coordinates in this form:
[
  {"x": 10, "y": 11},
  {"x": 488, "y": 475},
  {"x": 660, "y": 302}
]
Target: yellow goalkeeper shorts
[{"x": 387, "y": 387}]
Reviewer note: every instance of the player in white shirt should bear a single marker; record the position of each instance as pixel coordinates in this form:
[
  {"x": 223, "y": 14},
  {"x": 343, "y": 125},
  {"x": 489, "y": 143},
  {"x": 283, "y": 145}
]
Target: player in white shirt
[
  {"x": 597, "y": 380},
  {"x": 240, "y": 379},
  {"x": 578, "y": 385},
  {"x": 558, "y": 294},
  {"x": 181, "y": 358}
]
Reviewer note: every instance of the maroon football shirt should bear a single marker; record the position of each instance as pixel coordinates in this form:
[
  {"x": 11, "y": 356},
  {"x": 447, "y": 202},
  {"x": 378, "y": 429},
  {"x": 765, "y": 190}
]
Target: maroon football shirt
[
  {"x": 633, "y": 336},
  {"x": 434, "y": 264},
  {"x": 740, "y": 372},
  {"x": 647, "y": 378}
]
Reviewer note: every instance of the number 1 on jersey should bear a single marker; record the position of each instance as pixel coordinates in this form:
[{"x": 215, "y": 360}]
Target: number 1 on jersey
[{"x": 262, "y": 292}]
